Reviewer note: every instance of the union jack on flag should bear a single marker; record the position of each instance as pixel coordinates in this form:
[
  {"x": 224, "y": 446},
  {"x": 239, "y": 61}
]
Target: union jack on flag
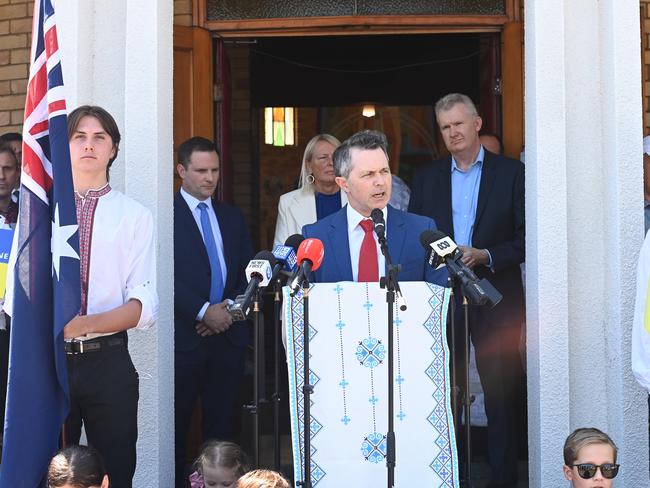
[{"x": 43, "y": 291}]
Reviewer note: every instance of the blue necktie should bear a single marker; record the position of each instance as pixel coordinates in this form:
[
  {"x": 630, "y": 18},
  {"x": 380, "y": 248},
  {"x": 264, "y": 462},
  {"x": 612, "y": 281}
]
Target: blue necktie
[{"x": 216, "y": 286}]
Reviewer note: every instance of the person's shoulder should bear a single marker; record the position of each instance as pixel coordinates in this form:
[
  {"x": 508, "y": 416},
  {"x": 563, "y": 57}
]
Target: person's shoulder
[
  {"x": 433, "y": 166},
  {"x": 134, "y": 207},
  {"x": 411, "y": 219},
  {"x": 287, "y": 199},
  {"x": 504, "y": 162},
  {"x": 228, "y": 209}
]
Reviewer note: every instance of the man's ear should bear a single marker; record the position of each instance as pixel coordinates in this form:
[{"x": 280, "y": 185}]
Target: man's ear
[
  {"x": 105, "y": 482},
  {"x": 180, "y": 169},
  {"x": 343, "y": 183},
  {"x": 478, "y": 123}
]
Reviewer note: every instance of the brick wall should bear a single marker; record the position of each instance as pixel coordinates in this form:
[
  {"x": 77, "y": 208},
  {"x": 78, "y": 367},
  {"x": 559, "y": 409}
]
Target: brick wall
[
  {"x": 645, "y": 63},
  {"x": 15, "y": 38}
]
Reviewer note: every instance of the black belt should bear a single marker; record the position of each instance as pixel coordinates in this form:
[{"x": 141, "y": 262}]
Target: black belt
[{"x": 95, "y": 345}]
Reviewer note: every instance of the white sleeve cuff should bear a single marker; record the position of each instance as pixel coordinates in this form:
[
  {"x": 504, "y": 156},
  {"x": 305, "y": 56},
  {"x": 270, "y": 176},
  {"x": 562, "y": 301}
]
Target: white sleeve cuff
[
  {"x": 199, "y": 316},
  {"x": 148, "y": 298}
]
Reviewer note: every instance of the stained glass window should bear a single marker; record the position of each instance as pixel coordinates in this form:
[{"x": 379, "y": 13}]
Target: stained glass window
[{"x": 280, "y": 126}]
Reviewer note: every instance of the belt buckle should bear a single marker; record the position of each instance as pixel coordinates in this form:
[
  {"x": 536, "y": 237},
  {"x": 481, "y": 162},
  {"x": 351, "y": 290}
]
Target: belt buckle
[{"x": 81, "y": 347}]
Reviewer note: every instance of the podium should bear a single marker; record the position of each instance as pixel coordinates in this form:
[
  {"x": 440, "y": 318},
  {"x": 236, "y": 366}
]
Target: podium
[{"x": 348, "y": 422}]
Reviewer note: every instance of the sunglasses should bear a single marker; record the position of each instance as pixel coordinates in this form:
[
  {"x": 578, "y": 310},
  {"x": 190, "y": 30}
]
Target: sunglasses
[{"x": 588, "y": 470}]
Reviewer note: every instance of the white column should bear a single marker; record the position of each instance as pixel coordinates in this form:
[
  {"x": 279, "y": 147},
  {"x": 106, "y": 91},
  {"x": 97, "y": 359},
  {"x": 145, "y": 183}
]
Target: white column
[
  {"x": 149, "y": 174},
  {"x": 584, "y": 229},
  {"x": 118, "y": 54}
]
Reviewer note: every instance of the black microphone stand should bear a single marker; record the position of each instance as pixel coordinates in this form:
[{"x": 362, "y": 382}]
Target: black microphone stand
[
  {"x": 276, "y": 373},
  {"x": 254, "y": 407},
  {"x": 392, "y": 287},
  {"x": 461, "y": 395},
  {"x": 307, "y": 388}
]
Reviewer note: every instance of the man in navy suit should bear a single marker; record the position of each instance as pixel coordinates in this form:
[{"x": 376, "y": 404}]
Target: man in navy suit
[
  {"x": 211, "y": 250},
  {"x": 352, "y": 251},
  {"x": 478, "y": 199}
]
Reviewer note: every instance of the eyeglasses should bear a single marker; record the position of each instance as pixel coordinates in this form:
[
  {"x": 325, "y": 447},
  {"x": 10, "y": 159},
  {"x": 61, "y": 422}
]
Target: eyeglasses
[{"x": 588, "y": 470}]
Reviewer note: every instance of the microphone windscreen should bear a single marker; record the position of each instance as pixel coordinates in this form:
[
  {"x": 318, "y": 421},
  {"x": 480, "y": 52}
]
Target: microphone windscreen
[
  {"x": 313, "y": 250},
  {"x": 266, "y": 256},
  {"x": 294, "y": 241},
  {"x": 429, "y": 236},
  {"x": 377, "y": 215}
]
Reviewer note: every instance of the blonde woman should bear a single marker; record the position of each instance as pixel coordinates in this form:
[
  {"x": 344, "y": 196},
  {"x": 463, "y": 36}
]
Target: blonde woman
[{"x": 317, "y": 196}]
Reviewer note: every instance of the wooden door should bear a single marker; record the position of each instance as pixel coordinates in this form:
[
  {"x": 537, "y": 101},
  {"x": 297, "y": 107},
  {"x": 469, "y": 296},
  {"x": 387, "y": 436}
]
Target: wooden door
[
  {"x": 193, "y": 86},
  {"x": 512, "y": 72}
]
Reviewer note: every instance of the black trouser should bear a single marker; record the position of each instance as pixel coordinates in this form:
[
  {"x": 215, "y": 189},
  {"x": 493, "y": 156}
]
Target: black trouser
[
  {"x": 500, "y": 370},
  {"x": 104, "y": 395},
  {"x": 4, "y": 368},
  {"x": 212, "y": 372}
]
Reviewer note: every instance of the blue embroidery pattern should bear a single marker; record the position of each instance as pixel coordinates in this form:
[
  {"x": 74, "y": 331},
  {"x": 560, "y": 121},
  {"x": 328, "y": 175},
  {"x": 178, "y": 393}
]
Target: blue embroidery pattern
[
  {"x": 343, "y": 383},
  {"x": 297, "y": 311},
  {"x": 401, "y": 415},
  {"x": 371, "y": 352},
  {"x": 373, "y": 447},
  {"x": 440, "y": 418}
]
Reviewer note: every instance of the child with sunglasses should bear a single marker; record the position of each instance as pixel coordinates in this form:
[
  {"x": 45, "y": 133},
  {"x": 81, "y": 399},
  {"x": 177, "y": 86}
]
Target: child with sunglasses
[{"x": 590, "y": 459}]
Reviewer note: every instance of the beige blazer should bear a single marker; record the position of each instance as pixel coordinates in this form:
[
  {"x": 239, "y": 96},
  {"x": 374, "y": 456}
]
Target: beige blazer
[{"x": 297, "y": 208}]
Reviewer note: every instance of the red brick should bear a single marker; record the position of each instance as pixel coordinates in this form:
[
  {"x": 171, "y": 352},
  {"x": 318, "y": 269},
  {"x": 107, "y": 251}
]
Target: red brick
[
  {"x": 5, "y": 88},
  {"x": 20, "y": 56},
  {"x": 4, "y": 26},
  {"x": 5, "y": 118},
  {"x": 30, "y": 9},
  {"x": 12, "y": 102},
  {"x": 18, "y": 86},
  {"x": 13, "y": 128},
  {"x": 20, "y": 26},
  {"x": 17, "y": 11},
  {"x": 4, "y": 57},
  {"x": 12, "y": 41},
  {"x": 17, "y": 116},
  {"x": 13, "y": 72},
  {"x": 4, "y": 2},
  {"x": 21, "y": 1}
]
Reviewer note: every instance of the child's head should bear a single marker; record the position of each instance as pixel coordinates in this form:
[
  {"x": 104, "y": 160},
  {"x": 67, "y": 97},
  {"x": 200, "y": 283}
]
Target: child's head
[
  {"x": 262, "y": 478},
  {"x": 220, "y": 464},
  {"x": 77, "y": 467},
  {"x": 590, "y": 458}
]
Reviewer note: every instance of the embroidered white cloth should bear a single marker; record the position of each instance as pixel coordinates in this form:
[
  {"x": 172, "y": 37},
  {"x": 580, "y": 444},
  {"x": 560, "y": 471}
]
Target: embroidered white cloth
[
  {"x": 348, "y": 369},
  {"x": 641, "y": 324}
]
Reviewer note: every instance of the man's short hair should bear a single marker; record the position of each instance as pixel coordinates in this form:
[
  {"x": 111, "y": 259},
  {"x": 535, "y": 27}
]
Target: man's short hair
[
  {"x": 365, "y": 140},
  {"x": 105, "y": 119},
  {"x": 11, "y": 137},
  {"x": 192, "y": 145},
  {"x": 448, "y": 101},
  {"x": 582, "y": 437},
  {"x": 5, "y": 148}
]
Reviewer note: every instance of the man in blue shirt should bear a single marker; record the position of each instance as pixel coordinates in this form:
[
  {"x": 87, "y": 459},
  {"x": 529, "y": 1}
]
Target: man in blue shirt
[{"x": 477, "y": 197}]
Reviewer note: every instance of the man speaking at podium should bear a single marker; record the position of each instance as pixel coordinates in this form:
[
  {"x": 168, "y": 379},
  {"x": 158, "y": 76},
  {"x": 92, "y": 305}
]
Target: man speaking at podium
[{"x": 352, "y": 251}]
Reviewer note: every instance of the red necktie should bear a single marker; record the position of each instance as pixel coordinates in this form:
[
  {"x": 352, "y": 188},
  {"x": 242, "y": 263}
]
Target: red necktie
[{"x": 368, "y": 267}]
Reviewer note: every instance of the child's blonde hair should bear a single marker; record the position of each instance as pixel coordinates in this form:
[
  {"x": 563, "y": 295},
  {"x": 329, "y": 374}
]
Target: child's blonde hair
[
  {"x": 580, "y": 438},
  {"x": 223, "y": 454},
  {"x": 262, "y": 478}
]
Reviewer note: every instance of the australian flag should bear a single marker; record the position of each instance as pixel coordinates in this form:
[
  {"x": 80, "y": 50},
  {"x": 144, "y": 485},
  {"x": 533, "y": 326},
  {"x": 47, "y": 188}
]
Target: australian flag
[{"x": 43, "y": 290}]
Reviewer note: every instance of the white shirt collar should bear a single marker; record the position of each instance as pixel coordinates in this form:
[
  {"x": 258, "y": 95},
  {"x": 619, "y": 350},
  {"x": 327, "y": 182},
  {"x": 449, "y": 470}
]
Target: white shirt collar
[
  {"x": 193, "y": 202},
  {"x": 354, "y": 217}
]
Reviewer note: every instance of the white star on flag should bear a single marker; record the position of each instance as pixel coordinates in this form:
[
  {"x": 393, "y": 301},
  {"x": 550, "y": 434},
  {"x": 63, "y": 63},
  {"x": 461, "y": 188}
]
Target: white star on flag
[{"x": 60, "y": 245}]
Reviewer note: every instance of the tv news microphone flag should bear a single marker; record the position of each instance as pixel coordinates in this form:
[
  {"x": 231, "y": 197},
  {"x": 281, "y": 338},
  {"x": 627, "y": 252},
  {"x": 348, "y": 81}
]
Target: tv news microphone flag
[{"x": 44, "y": 294}]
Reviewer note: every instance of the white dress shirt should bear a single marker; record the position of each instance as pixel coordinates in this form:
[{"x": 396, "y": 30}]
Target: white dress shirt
[
  {"x": 355, "y": 238},
  {"x": 193, "y": 203},
  {"x": 122, "y": 258}
]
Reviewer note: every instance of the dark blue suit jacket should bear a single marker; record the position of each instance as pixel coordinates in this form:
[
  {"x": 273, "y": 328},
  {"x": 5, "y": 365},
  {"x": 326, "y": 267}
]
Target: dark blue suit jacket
[
  {"x": 499, "y": 225},
  {"x": 403, "y": 236},
  {"x": 192, "y": 273}
]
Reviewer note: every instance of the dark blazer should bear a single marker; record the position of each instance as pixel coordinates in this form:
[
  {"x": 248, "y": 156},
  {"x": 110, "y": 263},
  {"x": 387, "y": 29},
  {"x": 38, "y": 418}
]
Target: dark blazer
[
  {"x": 192, "y": 275},
  {"x": 403, "y": 236},
  {"x": 499, "y": 225}
]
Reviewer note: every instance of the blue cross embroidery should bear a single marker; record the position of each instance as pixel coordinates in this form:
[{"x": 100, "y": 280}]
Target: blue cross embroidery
[
  {"x": 399, "y": 380},
  {"x": 401, "y": 415},
  {"x": 338, "y": 289},
  {"x": 398, "y": 321},
  {"x": 340, "y": 325},
  {"x": 343, "y": 383},
  {"x": 367, "y": 306},
  {"x": 373, "y": 399},
  {"x": 346, "y": 420}
]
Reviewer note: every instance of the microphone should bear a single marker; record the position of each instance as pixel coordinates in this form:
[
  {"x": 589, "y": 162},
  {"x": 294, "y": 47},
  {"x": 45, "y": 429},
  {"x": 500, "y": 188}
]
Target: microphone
[
  {"x": 259, "y": 273},
  {"x": 379, "y": 224},
  {"x": 286, "y": 255},
  {"x": 310, "y": 257},
  {"x": 443, "y": 251}
]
